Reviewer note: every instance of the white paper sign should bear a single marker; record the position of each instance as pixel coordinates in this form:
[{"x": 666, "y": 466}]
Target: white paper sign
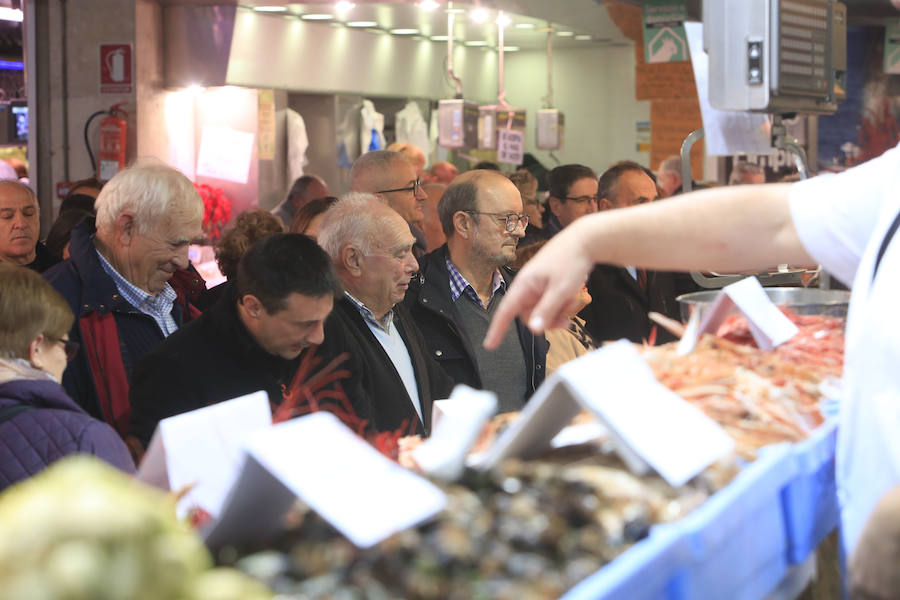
[
  {"x": 725, "y": 132},
  {"x": 204, "y": 449},
  {"x": 364, "y": 495},
  {"x": 648, "y": 424},
  {"x": 510, "y": 146},
  {"x": 768, "y": 325},
  {"x": 225, "y": 153},
  {"x": 458, "y": 422}
]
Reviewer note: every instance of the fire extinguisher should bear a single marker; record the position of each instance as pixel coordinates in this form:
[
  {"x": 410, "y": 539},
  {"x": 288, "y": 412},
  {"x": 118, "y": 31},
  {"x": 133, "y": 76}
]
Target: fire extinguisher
[{"x": 111, "y": 150}]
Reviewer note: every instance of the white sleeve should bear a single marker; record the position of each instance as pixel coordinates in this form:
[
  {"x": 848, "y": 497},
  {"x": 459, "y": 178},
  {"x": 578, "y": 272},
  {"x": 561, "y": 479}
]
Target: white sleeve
[{"x": 835, "y": 214}]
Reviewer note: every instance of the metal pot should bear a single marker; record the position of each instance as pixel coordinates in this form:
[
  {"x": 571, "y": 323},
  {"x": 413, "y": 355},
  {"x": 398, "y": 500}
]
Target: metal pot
[{"x": 802, "y": 301}]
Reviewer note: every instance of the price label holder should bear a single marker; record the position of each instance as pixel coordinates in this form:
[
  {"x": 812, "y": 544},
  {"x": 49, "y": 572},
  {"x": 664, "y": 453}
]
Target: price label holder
[
  {"x": 768, "y": 325},
  {"x": 362, "y": 494},
  {"x": 649, "y": 425},
  {"x": 203, "y": 450},
  {"x": 457, "y": 422}
]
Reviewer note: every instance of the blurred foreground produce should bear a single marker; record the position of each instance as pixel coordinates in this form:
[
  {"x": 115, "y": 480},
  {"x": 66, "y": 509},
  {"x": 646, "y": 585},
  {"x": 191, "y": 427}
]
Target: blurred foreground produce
[
  {"x": 758, "y": 397},
  {"x": 529, "y": 530},
  {"x": 82, "y": 530}
]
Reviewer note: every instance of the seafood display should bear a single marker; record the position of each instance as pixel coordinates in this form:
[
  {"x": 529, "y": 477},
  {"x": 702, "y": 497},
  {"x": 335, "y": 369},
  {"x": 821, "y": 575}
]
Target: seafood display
[
  {"x": 527, "y": 530},
  {"x": 758, "y": 397}
]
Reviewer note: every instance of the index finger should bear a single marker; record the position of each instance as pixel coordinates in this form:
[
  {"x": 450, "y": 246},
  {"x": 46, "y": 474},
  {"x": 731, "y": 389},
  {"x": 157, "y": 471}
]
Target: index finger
[{"x": 513, "y": 304}]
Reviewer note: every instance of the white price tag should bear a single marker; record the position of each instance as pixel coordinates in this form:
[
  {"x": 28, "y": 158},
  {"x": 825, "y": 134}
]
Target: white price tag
[
  {"x": 510, "y": 146},
  {"x": 364, "y": 495},
  {"x": 768, "y": 325},
  {"x": 204, "y": 449}
]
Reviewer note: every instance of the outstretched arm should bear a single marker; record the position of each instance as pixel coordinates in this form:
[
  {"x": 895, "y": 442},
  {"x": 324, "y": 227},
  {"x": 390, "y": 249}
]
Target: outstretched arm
[{"x": 720, "y": 229}]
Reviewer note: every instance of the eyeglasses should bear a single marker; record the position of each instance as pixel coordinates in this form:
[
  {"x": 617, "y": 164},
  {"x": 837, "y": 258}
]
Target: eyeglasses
[
  {"x": 582, "y": 199},
  {"x": 70, "y": 347},
  {"x": 414, "y": 188},
  {"x": 512, "y": 219}
]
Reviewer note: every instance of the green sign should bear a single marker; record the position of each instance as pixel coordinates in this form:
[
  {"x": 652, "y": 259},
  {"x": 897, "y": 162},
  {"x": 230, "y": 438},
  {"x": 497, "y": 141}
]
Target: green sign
[
  {"x": 892, "y": 49},
  {"x": 664, "y": 37}
]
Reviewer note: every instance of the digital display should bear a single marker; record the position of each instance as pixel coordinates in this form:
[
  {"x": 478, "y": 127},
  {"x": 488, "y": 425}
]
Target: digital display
[{"x": 20, "y": 122}]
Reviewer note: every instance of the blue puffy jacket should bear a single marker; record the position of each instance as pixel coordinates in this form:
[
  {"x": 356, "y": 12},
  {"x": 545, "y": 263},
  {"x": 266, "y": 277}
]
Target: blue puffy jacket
[{"x": 52, "y": 427}]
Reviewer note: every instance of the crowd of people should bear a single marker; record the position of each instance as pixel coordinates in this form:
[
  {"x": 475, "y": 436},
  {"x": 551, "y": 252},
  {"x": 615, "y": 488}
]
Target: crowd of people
[{"x": 380, "y": 299}]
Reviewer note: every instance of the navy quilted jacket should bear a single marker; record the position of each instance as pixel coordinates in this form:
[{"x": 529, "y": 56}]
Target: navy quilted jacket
[{"x": 56, "y": 427}]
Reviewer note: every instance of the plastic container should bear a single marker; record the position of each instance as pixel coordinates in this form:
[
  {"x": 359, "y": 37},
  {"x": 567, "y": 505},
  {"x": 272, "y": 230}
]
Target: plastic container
[
  {"x": 651, "y": 569},
  {"x": 809, "y": 500},
  {"x": 737, "y": 538}
]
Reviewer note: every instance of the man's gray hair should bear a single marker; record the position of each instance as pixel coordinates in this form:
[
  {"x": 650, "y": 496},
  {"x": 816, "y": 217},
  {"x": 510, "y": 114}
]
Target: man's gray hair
[
  {"x": 15, "y": 184},
  {"x": 357, "y": 218},
  {"x": 154, "y": 192},
  {"x": 671, "y": 164},
  {"x": 371, "y": 170},
  {"x": 742, "y": 168}
]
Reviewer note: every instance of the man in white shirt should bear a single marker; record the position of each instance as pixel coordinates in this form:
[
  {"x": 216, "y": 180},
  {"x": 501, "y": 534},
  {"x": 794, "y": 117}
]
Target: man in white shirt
[
  {"x": 371, "y": 246},
  {"x": 845, "y": 222}
]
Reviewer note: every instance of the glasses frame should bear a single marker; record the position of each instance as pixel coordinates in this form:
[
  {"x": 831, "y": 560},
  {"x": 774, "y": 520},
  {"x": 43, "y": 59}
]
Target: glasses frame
[
  {"x": 414, "y": 188},
  {"x": 510, "y": 225},
  {"x": 69, "y": 347}
]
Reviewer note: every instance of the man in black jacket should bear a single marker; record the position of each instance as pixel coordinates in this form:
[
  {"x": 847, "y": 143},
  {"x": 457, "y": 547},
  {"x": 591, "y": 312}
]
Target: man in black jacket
[
  {"x": 623, "y": 296},
  {"x": 460, "y": 285},
  {"x": 371, "y": 246},
  {"x": 252, "y": 339}
]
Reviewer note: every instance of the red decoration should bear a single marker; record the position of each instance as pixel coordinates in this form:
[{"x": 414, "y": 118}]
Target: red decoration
[{"x": 216, "y": 209}]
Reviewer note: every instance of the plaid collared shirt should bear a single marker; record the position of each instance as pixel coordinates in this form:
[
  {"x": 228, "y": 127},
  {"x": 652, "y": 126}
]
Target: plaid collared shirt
[
  {"x": 384, "y": 324},
  {"x": 458, "y": 285},
  {"x": 158, "y": 307}
]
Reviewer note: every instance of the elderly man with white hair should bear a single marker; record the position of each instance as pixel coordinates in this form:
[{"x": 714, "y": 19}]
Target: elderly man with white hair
[
  {"x": 127, "y": 282},
  {"x": 371, "y": 247}
]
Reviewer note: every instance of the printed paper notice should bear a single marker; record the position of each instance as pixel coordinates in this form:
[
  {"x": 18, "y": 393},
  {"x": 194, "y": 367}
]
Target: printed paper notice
[
  {"x": 225, "y": 153},
  {"x": 266, "y": 125},
  {"x": 510, "y": 146},
  {"x": 364, "y": 495}
]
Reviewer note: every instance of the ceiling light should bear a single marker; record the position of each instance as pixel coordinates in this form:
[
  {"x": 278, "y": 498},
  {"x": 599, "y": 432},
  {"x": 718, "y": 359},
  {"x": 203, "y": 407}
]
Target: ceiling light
[
  {"x": 456, "y": 11},
  {"x": 480, "y": 15},
  {"x": 343, "y": 6},
  {"x": 502, "y": 20},
  {"x": 476, "y": 43},
  {"x": 428, "y": 5},
  {"x": 404, "y": 31},
  {"x": 270, "y": 8},
  {"x": 524, "y": 25},
  {"x": 362, "y": 24},
  {"x": 583, "y": 37},
  {"x": 511, "y": 48},
  {"x": 11, "y": 14},
  {"x": 317, "y": 17},
  {"x": 565, "y": 33},
  {"x": 439, "y": 38}
]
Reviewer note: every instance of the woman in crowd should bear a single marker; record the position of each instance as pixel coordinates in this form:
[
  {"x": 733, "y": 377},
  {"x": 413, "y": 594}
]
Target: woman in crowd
[
  {"x": 249, "y": 227},
  {"x": 39, "y": 423},
  {"x": 569, "y": 342},
  {"x": 308, "y": 218}
]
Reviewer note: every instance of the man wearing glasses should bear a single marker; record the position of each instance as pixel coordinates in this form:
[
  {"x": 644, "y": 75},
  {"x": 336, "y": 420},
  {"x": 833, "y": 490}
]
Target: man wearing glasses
[
  {"x": 460, "y": 285},
  {"x": 573, "y": 194},
  {"x": 392, "y": 178}
]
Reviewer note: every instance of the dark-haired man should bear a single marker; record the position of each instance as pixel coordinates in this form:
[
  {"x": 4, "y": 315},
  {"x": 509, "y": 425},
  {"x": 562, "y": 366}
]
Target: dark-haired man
[
  {"x": 303, "y": 191},
  {"x": 460, "y": 285},
  {"x": 251, "y": 339},
  {"x": 623, "y": 296}
]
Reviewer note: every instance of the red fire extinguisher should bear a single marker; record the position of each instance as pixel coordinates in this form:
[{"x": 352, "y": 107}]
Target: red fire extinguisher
[{"x": 111, "y": 152}]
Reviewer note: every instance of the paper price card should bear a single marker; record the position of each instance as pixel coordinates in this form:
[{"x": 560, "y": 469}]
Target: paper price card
[
  {"x": 203, "y": 449},
  {"x": 768, "y": 325},
  {"x": 364, "y": 495},
  {"x": 510, "y": 146}
]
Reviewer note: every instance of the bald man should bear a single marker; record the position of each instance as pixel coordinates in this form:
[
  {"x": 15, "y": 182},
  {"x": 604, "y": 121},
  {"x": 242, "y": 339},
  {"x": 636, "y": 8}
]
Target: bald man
[
  {"x": 443, "y": 172},
  {"x": 461, "y": 283}
]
